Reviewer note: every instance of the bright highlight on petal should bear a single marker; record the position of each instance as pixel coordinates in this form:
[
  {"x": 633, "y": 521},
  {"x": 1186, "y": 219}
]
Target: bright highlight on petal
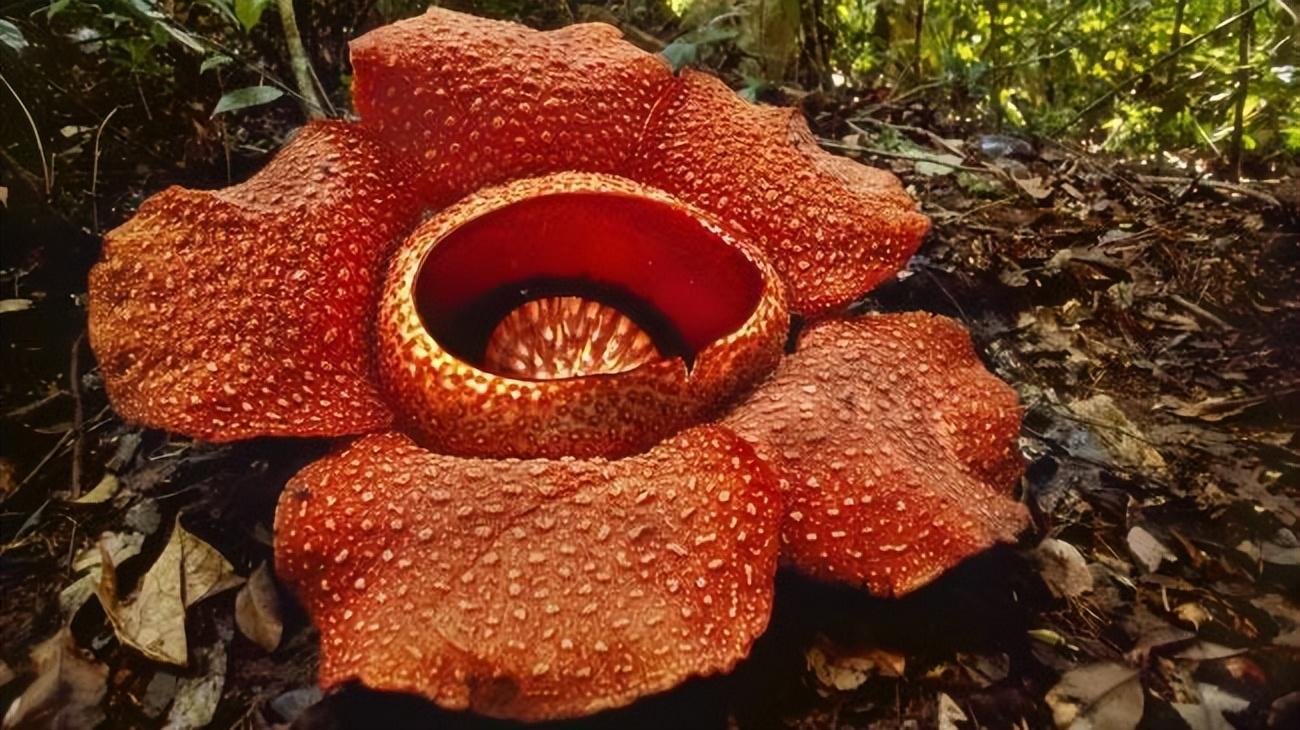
[
  {"x": 896, "y": 447},
  {"x": 711, "y": 306},
  {"x": 532, "y": 589},
  {"x": 247, "y": 311}
]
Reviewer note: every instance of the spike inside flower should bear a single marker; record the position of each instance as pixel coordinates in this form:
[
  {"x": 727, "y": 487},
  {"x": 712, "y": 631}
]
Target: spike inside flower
[
  {"x": 573, "y": 314},
  {"x": 527, "y": 278}
]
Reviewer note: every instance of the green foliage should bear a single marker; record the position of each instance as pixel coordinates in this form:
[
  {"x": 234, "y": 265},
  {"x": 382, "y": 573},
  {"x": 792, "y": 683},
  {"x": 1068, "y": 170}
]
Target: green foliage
[
  {"x": 1115, "y": 72},
  {"x": 246, "y": 97}
]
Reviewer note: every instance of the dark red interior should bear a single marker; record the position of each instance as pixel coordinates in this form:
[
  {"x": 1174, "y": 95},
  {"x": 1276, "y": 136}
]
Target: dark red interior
[{"x": 681, "y": 282}]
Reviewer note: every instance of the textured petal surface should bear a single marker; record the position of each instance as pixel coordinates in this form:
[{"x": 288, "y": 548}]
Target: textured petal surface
[
  {"x": 604, "y": 230},
  {"x": 479, "y": 102},
  {"x": 532, "y": 589},
  {"x": 247, "y": 311},
  {"x": 833, "y": 228},
  {"x": 896, "y": 446}
]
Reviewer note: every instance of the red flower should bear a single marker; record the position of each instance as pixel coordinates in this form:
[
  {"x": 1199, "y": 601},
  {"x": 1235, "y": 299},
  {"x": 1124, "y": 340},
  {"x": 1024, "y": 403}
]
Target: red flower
[{"x": 584, "y": 452}]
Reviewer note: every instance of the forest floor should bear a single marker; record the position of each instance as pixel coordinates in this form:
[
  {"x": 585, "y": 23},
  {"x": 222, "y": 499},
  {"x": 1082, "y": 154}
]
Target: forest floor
[{"x": 1150, "y": 323}]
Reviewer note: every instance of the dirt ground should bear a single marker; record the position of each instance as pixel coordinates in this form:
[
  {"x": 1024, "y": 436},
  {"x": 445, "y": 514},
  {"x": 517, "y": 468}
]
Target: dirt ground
[{"x": 1150, "y": 322}]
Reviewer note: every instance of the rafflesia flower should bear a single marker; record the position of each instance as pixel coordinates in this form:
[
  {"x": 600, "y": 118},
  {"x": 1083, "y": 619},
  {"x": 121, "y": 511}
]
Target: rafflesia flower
[{"x": 547, "y": 285}]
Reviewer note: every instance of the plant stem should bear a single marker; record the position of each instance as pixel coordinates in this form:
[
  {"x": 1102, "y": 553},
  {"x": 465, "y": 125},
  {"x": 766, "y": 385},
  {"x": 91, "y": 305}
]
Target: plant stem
[
  {"x": 302, "y": 73},
  {"x": 1243, "y": 83}
]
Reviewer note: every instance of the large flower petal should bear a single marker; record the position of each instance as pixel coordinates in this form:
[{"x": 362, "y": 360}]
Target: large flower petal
[
  {"x": 832, "y": 227},
  {"x": 714, "y": 289},
  {"x": 247, "y": 311},
  {"x": 897, "y": 447},
  {"x": 532, "y": 589},
  {"x": 479, "y": 102}
]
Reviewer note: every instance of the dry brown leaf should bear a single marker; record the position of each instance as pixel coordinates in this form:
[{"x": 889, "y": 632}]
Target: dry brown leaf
[
  {"x": 847, "y": 670},
  {"x": 1063, "y": 568},
  {"x": 1147, "y": 550},
  {"x": 67, "y": 691},
  {"x": 1097, "y": 697},
  {"x": 152, "y": 621},
  {"x": 257, "y": 610}
]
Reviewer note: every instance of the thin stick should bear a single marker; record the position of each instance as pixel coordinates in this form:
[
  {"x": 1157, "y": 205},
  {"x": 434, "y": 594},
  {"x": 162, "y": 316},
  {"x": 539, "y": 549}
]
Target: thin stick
[
  {"x": 1228, "y": 187},
  {"x": 302, "y": 72},
  {"x": 94, "y": 172},
  {"x": 36, "y": 133},
  {"x": 78, "y": 413}
]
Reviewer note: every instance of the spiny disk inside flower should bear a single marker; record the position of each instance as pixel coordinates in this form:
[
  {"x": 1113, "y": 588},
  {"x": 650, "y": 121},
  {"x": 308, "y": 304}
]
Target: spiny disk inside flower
[{"x": 566, "y": 337}]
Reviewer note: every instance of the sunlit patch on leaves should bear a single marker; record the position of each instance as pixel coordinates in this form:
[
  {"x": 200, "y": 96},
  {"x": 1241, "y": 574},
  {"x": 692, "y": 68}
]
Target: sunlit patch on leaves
[{"x": 152, "y": 620}]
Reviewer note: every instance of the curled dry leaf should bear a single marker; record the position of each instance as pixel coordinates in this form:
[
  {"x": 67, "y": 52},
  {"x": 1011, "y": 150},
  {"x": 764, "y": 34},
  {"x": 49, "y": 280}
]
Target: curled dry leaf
[
  {"x": 257, "y": 609},
  {"x": 197, "y": 696},
  {"x": 1104, "y": 696},
  {"x": 1207, "y": 713},
  {"x": 119, "y": 545},
  {"x": 67, "y": 691},
  {"x": 102, "y": 492},
  {"x": 1063, "y": 568},
  {"x": 950, "y": 713},
  {"x": 843, "y": 670},
  {"x": 1121, "y": 437},
  {"x": 152, "y": 621},
  {"x": 1147, "y": 550}
]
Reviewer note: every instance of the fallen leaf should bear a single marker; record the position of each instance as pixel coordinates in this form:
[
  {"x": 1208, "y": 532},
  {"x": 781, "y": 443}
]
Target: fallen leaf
[
  {"x": 257, "y": 610},
  {"x": 152, "y": 621},
  {"x": 950, "y": 713},
  {"x": 14, "y": 305},
  {"x": 120, "y": 546},
  {"x": 1063, "y": 568},
  {"x": 67, "y": 691},
  {"x": 1121, "y": 437},
  {"x": 102, "y": 492},
  {"x": 847, "y": 670},
  {"x": 1208, "y": 713},
  {"x": 1103, "y": 696},
  {"x": 197, "y": 697},
  {"x": 1147, "y": 550}
]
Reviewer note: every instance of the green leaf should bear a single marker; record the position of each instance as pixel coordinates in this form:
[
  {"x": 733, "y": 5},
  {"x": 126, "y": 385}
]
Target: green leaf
[
  {"x": 11, "y": 36},
  {"x": 246, "y": 97},
  {"x": 56, "y": 7},
  {"x": 214, "y": 61},
  {"x": 249, "y": 12},
  {"x": 683, "y": 51}
]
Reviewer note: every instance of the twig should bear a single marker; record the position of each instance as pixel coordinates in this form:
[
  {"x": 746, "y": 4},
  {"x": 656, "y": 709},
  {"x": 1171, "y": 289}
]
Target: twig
[
  {"x": 302, "y": 73},
  {"x": 36, "y": 133},
  {"x": 1236, "y": 188},
  {"x": 1199, "y": 311},
  {"x": 902, "y": 156},
  {"x": 94, "y": 172},
  {"x": 1171, "y": 55},
  {"x": 78, "y": 413}
]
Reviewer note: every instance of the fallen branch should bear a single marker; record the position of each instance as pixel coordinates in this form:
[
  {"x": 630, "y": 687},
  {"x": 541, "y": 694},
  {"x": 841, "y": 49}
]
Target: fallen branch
[{"x": 1192, "y": 182}]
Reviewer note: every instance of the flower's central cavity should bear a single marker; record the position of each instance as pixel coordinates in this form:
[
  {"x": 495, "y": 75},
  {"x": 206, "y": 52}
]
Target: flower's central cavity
[
  {"x": 567, "y": 337},
  {"x": 586, "y": 283}
]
